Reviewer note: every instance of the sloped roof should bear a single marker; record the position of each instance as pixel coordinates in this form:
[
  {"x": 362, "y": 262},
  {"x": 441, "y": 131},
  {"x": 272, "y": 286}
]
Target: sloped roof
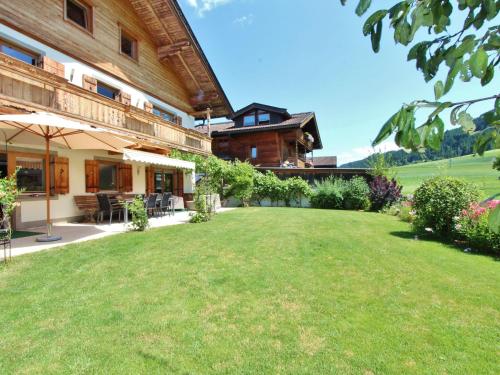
[
  {"x": 178, "y": 47},
  {"x": 297, "y": 120},
  {"x": 323, "y": 160},
  {"x": 264, "y": 107}
]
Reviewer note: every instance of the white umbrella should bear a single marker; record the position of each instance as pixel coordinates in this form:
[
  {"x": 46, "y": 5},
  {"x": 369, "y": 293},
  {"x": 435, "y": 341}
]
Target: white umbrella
[{"x": 68, "y": 133}]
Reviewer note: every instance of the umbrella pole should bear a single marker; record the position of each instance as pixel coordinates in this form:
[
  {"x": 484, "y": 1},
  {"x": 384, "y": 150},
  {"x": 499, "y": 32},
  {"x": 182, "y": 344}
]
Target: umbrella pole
[{"x": 48, "y": 237}]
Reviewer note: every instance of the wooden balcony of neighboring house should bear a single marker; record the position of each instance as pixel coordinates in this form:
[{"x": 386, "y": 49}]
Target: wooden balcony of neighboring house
[
  {"x": 306, "y": 140},
  {"x": 25, "y": 87}
]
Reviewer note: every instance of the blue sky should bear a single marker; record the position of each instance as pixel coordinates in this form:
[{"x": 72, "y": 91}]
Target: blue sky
[{"x": 310, "y": 55}]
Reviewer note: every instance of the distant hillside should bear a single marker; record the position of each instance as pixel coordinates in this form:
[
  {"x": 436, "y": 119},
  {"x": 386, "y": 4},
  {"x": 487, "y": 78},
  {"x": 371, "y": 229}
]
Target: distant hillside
[
  {"x": 476, "y": 169},
  {"x": 455, "y": 143}
]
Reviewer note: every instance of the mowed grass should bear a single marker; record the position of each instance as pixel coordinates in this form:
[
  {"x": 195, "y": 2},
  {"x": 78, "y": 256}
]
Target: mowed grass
[
  {"x": 477, "y": 169},
  {"x": 255, "y": 291}
]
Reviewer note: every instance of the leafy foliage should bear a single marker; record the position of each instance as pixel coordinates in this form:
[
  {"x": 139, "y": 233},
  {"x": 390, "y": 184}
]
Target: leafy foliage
[
  {"x": 472, "y": 226},
  {"x": 8, "y": 199},
  {"x": 335, "y": 193},
  {"x": 240, "y": 178},
  {"x": 384, "y": 192},
  {"x": 202, "y": 201},
  {"x": 455, "y": 143},
  {"x": 295, "y": 189},
  {"x": 139, "y": 215},
  {"x": 462, "y": 53},
  {"x": 440, "y": 199}
]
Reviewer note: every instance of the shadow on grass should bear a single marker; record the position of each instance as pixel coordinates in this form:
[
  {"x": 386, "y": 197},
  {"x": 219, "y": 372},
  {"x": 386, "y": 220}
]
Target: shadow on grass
[
  {"x": 162, "y": 362},
  {"x": 409, "y": 235}
]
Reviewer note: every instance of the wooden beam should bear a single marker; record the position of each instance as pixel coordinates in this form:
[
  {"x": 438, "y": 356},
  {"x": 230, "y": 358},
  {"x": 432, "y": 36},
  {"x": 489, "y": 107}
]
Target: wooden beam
[
  {"x": 167, "y": 51},
  {"x": 203, "y": 97}
]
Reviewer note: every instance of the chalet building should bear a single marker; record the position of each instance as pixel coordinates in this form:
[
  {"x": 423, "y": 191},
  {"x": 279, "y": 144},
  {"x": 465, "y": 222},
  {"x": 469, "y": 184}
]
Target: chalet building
[
  {"x": 323, "y": 161},
  {"x": 266, "y": 136},
  {"x": 127, "y": 74}
]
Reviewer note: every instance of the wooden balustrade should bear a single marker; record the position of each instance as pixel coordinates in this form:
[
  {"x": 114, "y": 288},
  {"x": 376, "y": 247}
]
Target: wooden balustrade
[{"x": 26, "y": 87}]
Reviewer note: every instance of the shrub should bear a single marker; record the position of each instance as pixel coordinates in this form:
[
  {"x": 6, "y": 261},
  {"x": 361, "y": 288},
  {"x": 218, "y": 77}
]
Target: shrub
[
  {"x": 139, "y": 215},
  {"x": 404, "y": 210},
  {"x": 335, "y": 193},
  {"x": 241, "y": 179},
  {"x": 356, "y": 194},
  {"x": 328, "y": 193},
  {"x": 204, "y": 209},
  {"x": 472, "y": 226},
  {"x": 295, "y": 189},
  {"x": 438, "y": 200},
  {"x": 383, "y": 192}
]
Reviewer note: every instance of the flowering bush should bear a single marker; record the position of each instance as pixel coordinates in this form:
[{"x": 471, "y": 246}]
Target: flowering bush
[
  {"x": 383, "y": 192},
  {"x": 8, "y": 198},
  {"x": 438, "y": 200},
  {"x": 472, "y": 226}
]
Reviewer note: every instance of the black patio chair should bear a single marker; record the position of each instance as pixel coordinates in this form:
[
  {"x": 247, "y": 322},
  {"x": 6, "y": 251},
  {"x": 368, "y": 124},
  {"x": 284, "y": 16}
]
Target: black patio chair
[
  {"x": 151, "y": 207},
  {"x": 106, "y": 207},
  {"x": 166, "y": 204}
]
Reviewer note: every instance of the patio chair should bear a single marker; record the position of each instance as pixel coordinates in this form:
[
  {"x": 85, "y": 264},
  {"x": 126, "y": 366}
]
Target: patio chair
[
  {"x": 151, "y": 207},
  {"x": 106, "y": 207},
  {"x": 166, "y": 204}
]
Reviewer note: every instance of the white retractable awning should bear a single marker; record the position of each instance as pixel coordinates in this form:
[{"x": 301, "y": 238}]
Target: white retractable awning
[{"x": 150, "y": 158}]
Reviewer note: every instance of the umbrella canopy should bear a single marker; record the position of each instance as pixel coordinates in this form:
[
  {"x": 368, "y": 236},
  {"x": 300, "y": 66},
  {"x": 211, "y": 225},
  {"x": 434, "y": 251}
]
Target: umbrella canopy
[{"x": 65, "y": 132}]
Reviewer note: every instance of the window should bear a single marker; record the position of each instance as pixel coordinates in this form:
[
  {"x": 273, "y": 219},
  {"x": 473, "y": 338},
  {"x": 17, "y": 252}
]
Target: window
[
  {"x": 128, "y": 44},
  {"x": 163, "y": 114},
  {"x": 264, "y": 118},
  {"x": 106, "y": 90},
  {"x": 19, "y": 53},
  {"x": 80, "y": 13},
  {"x": 164, "y": 182},
  {"x": 253, "y": 152},
  {"x": 31, "y": 174},
  {"x": 108, "y": 176},
  {"x": 249, "y": 120}
]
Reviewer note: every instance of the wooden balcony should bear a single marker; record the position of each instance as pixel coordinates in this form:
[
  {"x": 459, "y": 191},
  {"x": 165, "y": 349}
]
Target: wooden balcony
[{"x": 28, "y": 88}]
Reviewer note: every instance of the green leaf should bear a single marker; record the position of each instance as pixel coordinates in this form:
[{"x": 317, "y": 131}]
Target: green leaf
[
  {"x": 387, "y": 129},
  {"x": 376, "y": 36},
  {"x": 494, "y": 220},
  {"x": 438, "y": 89},
  {"x": 466, "y": 122},
  {"x": 362, "y": 7},
  {"x": 440, "y": 109},
  {"x": 450, "y": 79},
  {"x": 436, "y": 133},
  {"x": 478, "y": 63},
  {"x": 373, "y": 20},
  {"x": 485, "y": 137},
  {"x": 488, "y": 76},
  {"x": 453, "y": 115}
]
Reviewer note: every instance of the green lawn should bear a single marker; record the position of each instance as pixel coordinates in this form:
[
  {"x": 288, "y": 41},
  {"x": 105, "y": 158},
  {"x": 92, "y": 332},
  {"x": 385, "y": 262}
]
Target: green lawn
[
  {"x": 255, "y": 291},
  {"x": 476, "y": 169}
]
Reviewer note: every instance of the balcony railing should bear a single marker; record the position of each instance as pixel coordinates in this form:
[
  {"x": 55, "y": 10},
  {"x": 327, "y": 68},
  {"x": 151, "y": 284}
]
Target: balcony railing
[{"x": 27, "y": 87}]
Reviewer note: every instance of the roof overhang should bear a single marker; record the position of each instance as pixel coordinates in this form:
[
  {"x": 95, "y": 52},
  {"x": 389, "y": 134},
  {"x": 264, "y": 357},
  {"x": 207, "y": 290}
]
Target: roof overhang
[{"x": 179, "y": 48}]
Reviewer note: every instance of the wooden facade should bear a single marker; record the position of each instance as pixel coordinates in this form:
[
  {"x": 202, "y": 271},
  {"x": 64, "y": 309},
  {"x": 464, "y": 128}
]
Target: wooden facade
[
  {"x": 182, "y": 77},
  {"x": 276, "y": 138},
  {"x": 28, "y": 88}
]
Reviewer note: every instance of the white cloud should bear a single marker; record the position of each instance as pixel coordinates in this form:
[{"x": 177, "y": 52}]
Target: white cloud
[
  {"x": 359, "y": 153},
  {"x": 204, "y": 6},
  {"x": 244, "y": 20}
]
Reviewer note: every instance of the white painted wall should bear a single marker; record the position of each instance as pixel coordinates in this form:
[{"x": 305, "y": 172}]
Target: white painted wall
[{"x": 74, "y": 71}]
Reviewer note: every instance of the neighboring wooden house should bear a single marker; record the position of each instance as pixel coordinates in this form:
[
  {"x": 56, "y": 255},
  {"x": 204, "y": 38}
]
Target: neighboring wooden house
[
  {"x": 266, "y": 136},
  {"x": 127, "y": 67},
  {"x": 323, "y": 161}
]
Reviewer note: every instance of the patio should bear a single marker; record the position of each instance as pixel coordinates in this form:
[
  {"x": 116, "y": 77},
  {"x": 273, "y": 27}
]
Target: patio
[{"x": 79, "y": 232}]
